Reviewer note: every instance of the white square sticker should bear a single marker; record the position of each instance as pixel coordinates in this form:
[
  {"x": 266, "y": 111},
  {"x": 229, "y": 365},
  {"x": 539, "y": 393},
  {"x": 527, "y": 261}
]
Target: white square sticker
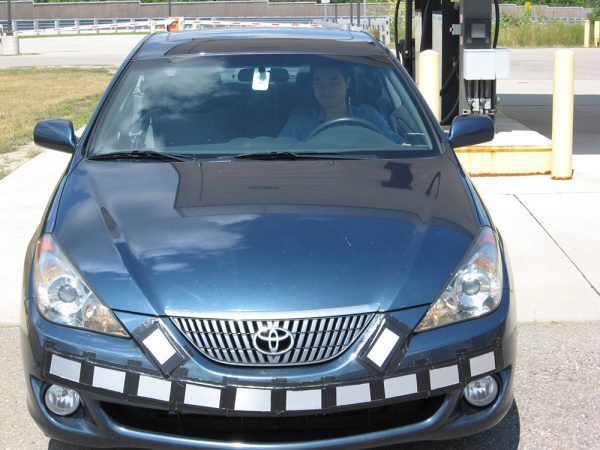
[{"x": 159, "y": 346}]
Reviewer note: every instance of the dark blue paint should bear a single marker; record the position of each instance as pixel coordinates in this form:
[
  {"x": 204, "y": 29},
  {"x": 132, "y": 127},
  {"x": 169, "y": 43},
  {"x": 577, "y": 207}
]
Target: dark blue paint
[
  {"x": 295, "y": 242},
  {"x": 264, "y": 236},
  {"x": 471, "y": 130},
  {"x": 55, "y": 134}
]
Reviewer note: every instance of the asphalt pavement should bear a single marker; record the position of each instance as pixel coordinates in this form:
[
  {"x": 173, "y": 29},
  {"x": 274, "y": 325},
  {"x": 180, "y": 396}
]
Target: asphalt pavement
[{"x": 550, "y": 228}]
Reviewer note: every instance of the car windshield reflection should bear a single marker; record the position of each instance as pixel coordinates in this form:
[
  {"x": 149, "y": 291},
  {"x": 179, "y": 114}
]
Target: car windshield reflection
[{"x": 236, "y": 104}]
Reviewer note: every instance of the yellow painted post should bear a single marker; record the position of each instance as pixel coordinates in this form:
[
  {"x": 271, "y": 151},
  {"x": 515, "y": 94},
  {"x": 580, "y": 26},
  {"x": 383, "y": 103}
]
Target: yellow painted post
[
  {"x": 152, "y": 27},
  {"x": 597, "y": 33},
  {"x": 562, "y": 115},
  {"x": 586, "y": 34},
  {"x": 429, "y": 80}
]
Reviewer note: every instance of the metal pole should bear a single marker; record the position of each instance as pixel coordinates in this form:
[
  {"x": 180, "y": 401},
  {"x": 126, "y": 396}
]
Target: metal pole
[
  {"x": 170, "y": 8},
  {"x": 351, "y": 13},
  {"x": 358, "y": 13},
  {"x": 9, "y": 30},
  {"x": 335, "y": 1}
]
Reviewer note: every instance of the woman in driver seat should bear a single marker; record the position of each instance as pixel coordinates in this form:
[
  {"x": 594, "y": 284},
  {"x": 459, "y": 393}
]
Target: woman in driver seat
[{"x": 330, "y": 87}]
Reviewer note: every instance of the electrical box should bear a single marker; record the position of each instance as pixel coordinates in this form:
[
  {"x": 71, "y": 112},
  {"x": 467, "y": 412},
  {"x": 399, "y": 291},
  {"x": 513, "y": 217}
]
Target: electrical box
[{"x": 486, "y": 64}]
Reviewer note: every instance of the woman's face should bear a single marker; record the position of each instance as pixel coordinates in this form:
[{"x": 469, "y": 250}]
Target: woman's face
[{"x": 330, "y": 87}]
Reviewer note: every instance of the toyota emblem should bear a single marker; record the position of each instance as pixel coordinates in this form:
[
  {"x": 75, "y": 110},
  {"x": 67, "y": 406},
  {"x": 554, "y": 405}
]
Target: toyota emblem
[{"x": 273, "y": 341}]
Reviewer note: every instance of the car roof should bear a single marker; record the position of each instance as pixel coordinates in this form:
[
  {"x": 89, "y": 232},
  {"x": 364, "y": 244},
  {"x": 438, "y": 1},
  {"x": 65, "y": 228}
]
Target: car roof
[{"x": 260, "y": 40}]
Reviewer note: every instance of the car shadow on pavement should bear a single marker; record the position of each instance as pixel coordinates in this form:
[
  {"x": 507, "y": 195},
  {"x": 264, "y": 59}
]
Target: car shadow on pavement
[
  {"x": 535, "y": 112},
  {"x": 505, "y": 435}
]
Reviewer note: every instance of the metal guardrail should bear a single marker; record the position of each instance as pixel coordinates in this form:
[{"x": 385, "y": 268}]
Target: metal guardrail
[{"x": 78, "y": 26}]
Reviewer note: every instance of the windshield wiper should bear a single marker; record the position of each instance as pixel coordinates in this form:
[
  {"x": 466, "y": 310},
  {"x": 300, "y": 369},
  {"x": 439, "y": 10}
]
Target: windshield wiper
[
  {"x": 284, "y": 155},
  {"x": 141, "y": 155}
]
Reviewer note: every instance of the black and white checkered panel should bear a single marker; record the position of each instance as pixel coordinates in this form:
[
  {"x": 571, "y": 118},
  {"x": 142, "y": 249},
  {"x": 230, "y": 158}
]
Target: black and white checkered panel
[{"x": 275, "y": 398}]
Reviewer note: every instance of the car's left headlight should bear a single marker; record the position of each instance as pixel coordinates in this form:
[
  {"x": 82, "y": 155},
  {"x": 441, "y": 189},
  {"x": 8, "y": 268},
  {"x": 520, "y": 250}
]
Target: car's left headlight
[
  {"x": 63, "y": 296},
  {"x": 476, "y": 288}
]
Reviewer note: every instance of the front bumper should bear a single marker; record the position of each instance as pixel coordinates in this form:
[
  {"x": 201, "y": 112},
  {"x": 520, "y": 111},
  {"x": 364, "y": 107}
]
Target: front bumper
[{"x": 425, "y": 376}]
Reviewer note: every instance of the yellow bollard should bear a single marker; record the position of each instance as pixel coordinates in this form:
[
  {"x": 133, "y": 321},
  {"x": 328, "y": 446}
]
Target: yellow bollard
[
  {"x": 152, "y": 27},
  {"x": 429, "y": 80},
  {"x": 586, "y": 34},
  {"x": 562, "y": 115},
  {"x": 597, "y": 33}
]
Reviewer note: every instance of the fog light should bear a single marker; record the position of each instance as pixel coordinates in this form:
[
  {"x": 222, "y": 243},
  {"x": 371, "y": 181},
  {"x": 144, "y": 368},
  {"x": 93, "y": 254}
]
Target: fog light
[
  {"x": 481, "y": 392},
  {"x": 61, "y": 400}
]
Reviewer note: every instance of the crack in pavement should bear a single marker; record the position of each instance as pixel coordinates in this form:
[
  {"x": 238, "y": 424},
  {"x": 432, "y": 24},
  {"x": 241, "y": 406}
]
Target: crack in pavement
[{"x": 557, "y": 244}]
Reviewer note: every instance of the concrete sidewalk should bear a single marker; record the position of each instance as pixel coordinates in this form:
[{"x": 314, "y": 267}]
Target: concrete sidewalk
[{"x": 550, "y": 228}]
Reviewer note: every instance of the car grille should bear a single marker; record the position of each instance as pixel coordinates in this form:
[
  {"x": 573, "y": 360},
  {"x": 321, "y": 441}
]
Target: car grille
[
  {"x": 258, "y": 430},
  {"x": 310, "y": 340}
]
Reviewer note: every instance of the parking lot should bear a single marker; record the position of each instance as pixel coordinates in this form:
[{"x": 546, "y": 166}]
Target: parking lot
[{"x": 550, "y": 228}]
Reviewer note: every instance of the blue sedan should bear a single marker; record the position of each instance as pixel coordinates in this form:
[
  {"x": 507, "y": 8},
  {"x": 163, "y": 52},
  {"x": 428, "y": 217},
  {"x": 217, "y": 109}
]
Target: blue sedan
[{"x": 263, "y": 238}]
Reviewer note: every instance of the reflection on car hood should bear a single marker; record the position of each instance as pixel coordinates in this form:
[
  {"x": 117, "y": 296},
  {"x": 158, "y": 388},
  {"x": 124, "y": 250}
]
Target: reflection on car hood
[{"x": 260, "y": 236}]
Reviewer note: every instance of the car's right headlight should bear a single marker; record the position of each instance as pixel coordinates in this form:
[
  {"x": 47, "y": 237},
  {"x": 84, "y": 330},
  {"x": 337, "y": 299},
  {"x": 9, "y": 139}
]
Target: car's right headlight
[
  {"x": 63, "y": 296},
  {"x": 475, "y": 289}
]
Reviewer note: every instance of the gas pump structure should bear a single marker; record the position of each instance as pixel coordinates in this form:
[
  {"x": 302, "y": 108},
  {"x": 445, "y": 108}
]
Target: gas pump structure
[{"x": 461, "y": 32}]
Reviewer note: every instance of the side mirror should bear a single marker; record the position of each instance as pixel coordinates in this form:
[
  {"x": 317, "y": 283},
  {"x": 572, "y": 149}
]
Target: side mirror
[
  {"x": 55, "y": 134},
  {"x": 470, "y": 130}
]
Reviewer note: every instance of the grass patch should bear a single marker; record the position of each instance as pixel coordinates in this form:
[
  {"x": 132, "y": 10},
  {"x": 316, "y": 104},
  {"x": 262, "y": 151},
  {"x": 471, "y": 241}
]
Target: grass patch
[
  {"x": 33, "y": 153},
  {"x": 524, "y": 32},
  {"x": 32, "y": 94}
]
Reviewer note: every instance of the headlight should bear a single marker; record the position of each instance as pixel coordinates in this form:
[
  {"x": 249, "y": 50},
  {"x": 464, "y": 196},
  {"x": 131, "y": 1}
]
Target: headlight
[
  {"x": 475, "y": 289},
  {"x": 63, "y": 296}
]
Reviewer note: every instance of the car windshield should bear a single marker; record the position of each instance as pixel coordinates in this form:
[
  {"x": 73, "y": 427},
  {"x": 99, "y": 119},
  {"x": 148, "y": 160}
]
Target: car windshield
[{"x": 228, "y": 105}]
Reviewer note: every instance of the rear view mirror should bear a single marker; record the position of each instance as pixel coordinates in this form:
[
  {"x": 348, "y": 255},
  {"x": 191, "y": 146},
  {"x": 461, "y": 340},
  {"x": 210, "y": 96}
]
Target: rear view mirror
[
  {"x": 55, "y": 134},
  {"x": 471, "y": 130},
  {"x": 277, "y": 75}
]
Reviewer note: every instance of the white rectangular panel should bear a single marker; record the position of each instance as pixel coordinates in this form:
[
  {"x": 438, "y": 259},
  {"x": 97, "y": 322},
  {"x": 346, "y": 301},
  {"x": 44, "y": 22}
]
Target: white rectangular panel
[
  {"x": 383, "y": 347},
  {"x": 444, "y": 376},
  {"x": 303, "y": 400},
  {"x": 356, "y": 393},
  {"x": 253, "y": 400},
  {"x": 154, "y": 388},
  {"x": 159, "y": 346},
  {"x": 502, "y": 63},
  {"x": 482, "y": 364},
  {"x": 202, "y": 396},
  {"x": 65, "y": 368},
  {"x": 113, "y": 380},
  {"x": 479, "y": 64},
  {"x": 398, "y": 386}
]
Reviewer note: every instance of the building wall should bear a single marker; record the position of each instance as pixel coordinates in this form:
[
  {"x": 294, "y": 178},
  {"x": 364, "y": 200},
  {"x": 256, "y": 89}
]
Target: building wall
[
  {"x": 27, "y": 10},
  {"x": 133, "y": 9}
]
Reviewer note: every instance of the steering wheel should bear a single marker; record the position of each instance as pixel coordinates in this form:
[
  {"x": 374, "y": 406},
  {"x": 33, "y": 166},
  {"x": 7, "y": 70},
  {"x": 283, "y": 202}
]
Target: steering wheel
[{"x": 344, "y": 121}]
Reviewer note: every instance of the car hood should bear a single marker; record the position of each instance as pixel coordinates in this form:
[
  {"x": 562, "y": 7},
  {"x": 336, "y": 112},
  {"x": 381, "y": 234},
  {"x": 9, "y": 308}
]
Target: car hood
[{"x": 178, "y": 238}]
